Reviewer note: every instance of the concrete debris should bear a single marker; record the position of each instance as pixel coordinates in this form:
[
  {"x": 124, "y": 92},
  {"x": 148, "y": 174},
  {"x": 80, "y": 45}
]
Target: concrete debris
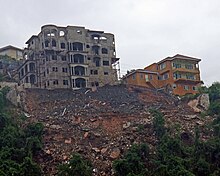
[
  {"x": 101, "y": 125},
  {"x": 63, "y": 112},
  {"x": 126, "y": 125}
]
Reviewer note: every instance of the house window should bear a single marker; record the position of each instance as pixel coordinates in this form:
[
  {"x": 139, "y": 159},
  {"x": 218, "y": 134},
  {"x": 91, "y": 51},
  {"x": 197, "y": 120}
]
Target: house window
[
  {"x": 46, "y": 43},
  {"x": 105, "y": 73},
  {"x": 160, "y": 78},
  {"x": 54, "y": 57},
  {"x": 54, "y": 69},
  {"x": 65, "y": 70},
  {"x": 165, "y": 76},
  {"x": 177, "y": 65},
  {"x": 186, "y": 87},
  {"x": 65, "y": 82},
  {"x": 190, "y": 76},
  {"x": 162, "y": 66},
  {"x": 97, "y": 60},
  {"x": 54, "y": 43},
  {"x": 55, "y": 82},
  {"x": 62, "y": 46},
  {"x": 189, "y": 66},
  {"x": 133, "y": 76},
  {"x": 104, "y": 51},
  {"x": 141, "y": 76},
  {"x": 146, "y": 77},
  {"x": 105, "y": 63},
  {"x": 177, "y": 75},
  {"x": 195, "y": 88},
  {"x": 63, "y": 58},
  {"x": 96, "y": 84},
  {"x": 94, "y": 72}
]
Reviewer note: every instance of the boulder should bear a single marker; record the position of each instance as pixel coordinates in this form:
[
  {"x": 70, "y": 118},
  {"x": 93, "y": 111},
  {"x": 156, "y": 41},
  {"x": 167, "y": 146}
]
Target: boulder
[{"x": 200, "y": 104}]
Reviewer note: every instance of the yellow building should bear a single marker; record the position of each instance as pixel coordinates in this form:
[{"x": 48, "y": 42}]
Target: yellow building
[{"x": 12, "y": 52}]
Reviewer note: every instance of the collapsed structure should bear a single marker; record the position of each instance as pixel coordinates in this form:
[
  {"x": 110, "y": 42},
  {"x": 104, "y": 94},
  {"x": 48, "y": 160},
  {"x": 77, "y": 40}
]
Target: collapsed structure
[
  {"x": 178, "y": 74},
  {"x": 69, "y": 57}
]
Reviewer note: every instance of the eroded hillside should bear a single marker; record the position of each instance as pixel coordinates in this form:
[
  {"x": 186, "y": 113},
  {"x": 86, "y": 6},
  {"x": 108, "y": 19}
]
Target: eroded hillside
[{"x": 101, "y": 125}]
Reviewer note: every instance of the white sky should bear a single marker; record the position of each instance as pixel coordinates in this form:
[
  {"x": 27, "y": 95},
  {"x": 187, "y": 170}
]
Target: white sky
[{"x": 146, "y": 31}]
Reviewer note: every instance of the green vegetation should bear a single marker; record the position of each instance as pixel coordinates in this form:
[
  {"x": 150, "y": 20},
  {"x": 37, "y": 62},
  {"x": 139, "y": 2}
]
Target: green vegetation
[
  {"x": 76, "y": 166},
  {"x": 172, "y": 155},
  {"x": 17, "y": 145},
  {"x": 133, "y": 163}
]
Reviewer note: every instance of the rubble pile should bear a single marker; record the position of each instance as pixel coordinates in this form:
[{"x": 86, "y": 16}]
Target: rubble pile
[{"x": 100, "y": 125}]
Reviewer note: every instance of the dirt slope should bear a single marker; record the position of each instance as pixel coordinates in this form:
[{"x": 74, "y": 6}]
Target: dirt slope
[{"x": 100, "y": 125}]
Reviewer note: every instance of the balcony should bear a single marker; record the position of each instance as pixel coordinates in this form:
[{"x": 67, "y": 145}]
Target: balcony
[
  {"x": 188, "y": 81},
  {"x": 185, "y": 70}
]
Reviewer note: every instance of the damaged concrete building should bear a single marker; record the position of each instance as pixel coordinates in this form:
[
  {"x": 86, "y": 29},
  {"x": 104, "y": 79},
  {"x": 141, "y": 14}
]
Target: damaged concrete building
[{"x": 69, "y": 57}]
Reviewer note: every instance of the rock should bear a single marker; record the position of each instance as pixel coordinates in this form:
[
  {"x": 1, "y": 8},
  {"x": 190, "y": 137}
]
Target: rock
[
  {"x": 68, "y": 141},
  {"x": 199, "y": 123},
  {"x": 204, "y": 101},
  {"x": 96, "y": 150},
  {"x": 65, "y": 157},
  {"x": 193, "y": 104},
  {"x": 97, "y": 134},
  {"x": 127, "y": 125},
  {"x": 48, "y": 152},
  {"x": 200, "y": 104},
  {"x": 93, "y": 119},
  {"x": 115, "y": 153},
  {"x": 86, "y": 134},
  {"x": 191, "y": 116},
  {"x": 56, "y": 127},
  {"x": 103, "y": 150}
]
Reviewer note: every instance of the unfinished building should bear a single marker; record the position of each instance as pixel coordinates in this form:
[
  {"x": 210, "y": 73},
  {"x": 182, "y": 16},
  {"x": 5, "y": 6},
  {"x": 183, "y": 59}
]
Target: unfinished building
[{"x": 69, "y": 57}]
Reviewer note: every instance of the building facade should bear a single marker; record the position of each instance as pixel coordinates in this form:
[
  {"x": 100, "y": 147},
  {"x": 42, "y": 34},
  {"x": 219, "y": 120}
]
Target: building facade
[
  {"x": 178, "y": 74},
  {"x": 11, "y": 51},
  {"x": 69, "y": 57},
  {"x": 141, "y": 77}
]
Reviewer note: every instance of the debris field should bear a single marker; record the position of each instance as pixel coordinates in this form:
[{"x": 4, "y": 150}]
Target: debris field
[{"x": 101, "y": 125}]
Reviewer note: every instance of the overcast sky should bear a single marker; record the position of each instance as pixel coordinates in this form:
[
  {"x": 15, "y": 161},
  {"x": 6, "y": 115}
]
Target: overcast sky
[{"x": 146, "y": 31}]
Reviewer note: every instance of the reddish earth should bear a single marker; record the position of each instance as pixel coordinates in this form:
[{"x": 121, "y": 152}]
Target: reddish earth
[{"x": 100, "y": 125}]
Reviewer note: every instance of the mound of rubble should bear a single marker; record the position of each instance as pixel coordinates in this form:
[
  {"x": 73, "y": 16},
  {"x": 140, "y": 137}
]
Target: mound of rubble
[{"x": 101, "y": 125}]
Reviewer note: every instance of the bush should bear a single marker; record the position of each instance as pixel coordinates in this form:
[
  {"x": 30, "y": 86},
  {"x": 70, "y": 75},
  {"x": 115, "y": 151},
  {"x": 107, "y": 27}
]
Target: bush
[
  {"x": 158, "y": 123},
  {"x": 134, "y": 162},
  {"x": 214, "y": 108},
  {"x": 214, "y": 91},
  {"x": 77, "y": 166}
]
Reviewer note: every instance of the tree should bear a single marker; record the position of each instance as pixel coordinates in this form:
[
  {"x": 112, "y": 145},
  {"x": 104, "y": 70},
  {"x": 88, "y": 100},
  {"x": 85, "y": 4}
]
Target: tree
[{"x": 29, "y": 168}]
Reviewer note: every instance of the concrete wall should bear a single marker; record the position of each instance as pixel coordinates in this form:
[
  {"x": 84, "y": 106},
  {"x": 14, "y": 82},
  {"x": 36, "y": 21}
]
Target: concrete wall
[{"x": 57, "y": 47}]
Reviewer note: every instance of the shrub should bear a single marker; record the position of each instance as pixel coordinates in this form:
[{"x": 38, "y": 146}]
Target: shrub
[
  {"x": 158, "y": 123},
  {"x": 76, "y": 166},
  {"x": 133, "y": 164}
]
